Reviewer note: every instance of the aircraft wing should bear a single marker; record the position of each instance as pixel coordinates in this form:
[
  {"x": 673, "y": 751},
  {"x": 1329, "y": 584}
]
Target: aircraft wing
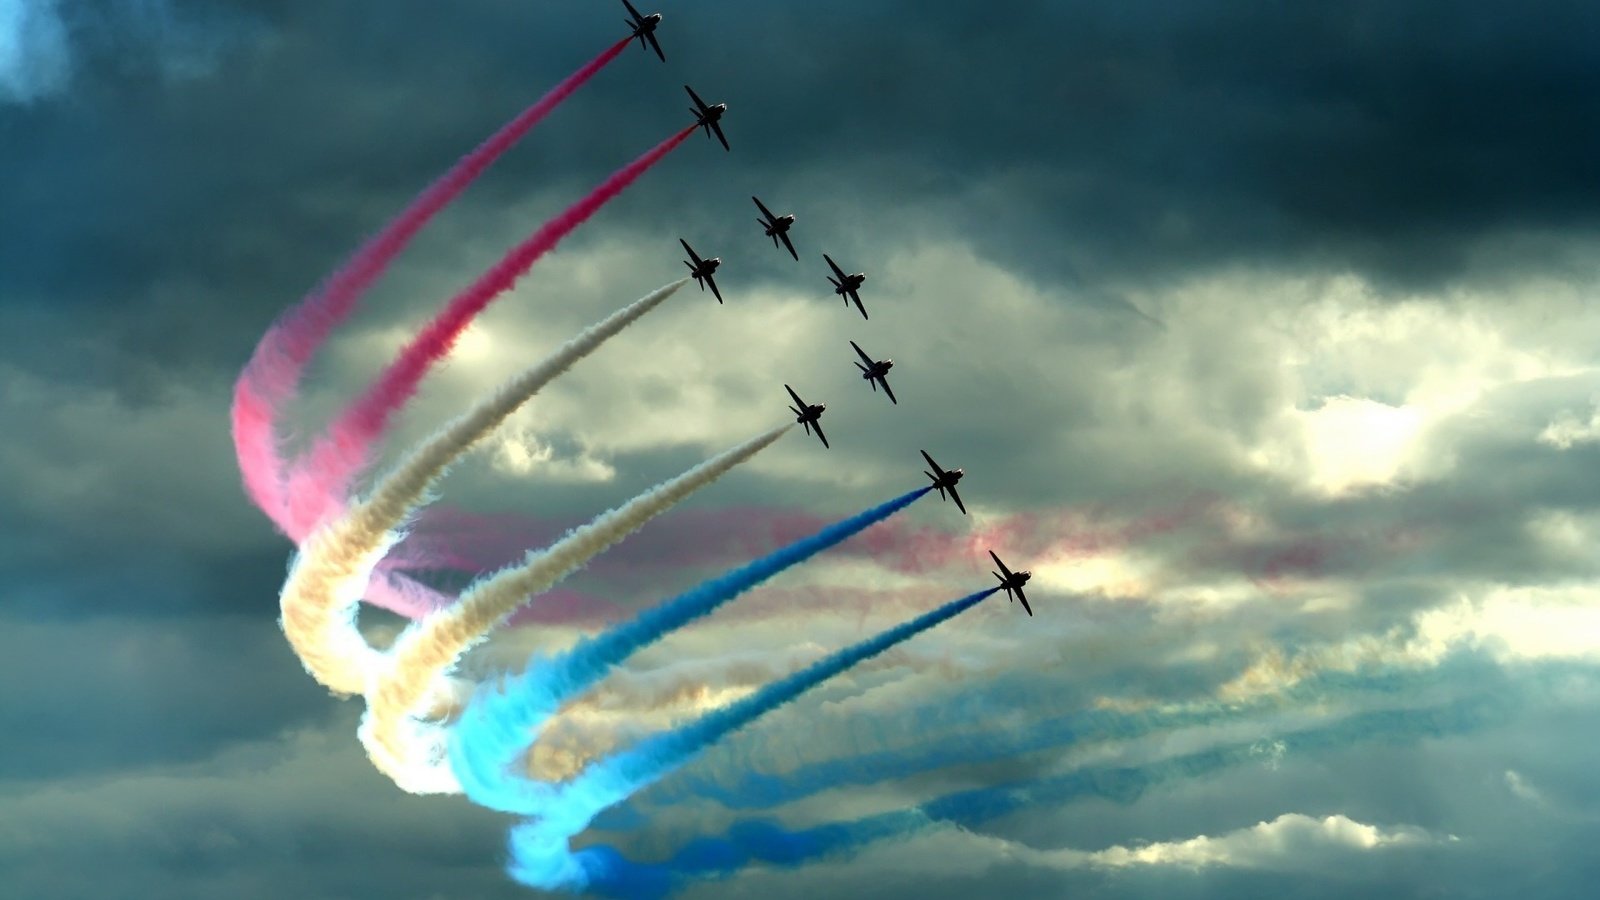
[
  {"x": 835, "y": 266},
  {"x": 784, "y": 236},
  {"x": 957, "y": 498},
  {"x": 696, "y": 98},
  {"x": 1024, "y": 601},
  {"x": 764, "y": 211},
  {"x": 631, "y": 11},
  {"x": 797, "y": 401},
  {"x": 818, "y": 426},
  {"x": 869, "y": 361},
  {"x": 857, "y": 298},
  {"x": 717, "y": 127},
  {"x": 690, "y": 250},
  {"x": 1000, "y": 564},
  {"x": 936, "y": 469},
  {"x": 713, "y": 282},
  {"x": 651, "y": 37}
]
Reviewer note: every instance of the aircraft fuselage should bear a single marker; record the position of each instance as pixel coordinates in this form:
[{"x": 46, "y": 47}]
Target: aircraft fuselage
[
  {"x": 879, "y": 369},
  {"x": 1017, "y": 579}
]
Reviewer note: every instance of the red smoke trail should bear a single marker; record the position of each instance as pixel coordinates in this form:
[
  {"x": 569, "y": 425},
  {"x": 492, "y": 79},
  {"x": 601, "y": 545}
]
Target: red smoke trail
[
  {"x": 339, "y": 455},
  {"x": 272, "y": 376}
]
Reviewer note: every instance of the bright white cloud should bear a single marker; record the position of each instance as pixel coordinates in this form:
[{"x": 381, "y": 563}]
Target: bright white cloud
[
  {"x": 1519, "y": 624},
  {"x": 522, "y": 453},
  {"x": 1354, "y": 442},
  {"x": 1285, "y": 843},
  {"x": 1567, "y": 430},
  {"x": 1292, "y": 842}
]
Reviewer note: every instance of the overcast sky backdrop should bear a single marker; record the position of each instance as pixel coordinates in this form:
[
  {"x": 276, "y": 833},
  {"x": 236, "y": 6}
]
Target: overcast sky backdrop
[{"x": 1265, "y": 332}]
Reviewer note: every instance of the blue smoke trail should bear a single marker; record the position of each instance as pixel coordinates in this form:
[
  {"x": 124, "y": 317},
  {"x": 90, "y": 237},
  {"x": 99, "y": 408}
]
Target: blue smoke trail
[
  {"x": 766, "y": 841},
  {"x": 499, "y": 724},
  {"x": 748, "y": 790},
  {"x": 540, "y": 854}
]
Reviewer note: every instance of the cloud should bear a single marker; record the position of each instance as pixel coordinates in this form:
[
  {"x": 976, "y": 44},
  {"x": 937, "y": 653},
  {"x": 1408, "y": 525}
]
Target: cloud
[
  {"x": 1291, "y": 841},
  {"x": 34, "y": 57},
  {"x": 43, "y": 41}
]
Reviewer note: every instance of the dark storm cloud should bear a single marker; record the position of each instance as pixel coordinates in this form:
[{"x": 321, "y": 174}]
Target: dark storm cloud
[
  {"x": 144, "y": 691},
  {"x": 153, "y": 227},
  {"x": 1076, "y": 139}
]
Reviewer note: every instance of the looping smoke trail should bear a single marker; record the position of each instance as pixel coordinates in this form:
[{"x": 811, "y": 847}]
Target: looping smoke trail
[
  {"x": 345, "y": 450},
  {"x": 412, "y": 753},
  {"x": 540, "y": 855},
  {"x": 333, "y": 567},
  {"x": 272, "y": 375},
  {"x": 499, "y": 724}
]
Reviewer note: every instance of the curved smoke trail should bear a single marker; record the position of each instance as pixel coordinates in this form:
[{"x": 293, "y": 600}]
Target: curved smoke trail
[
  {"x": 272, "y": 376},
  {"x": 540, "y": 853},
  {"x": 412, "y": 752},
  {"x": 345, "y": 450},
  {"x": 331, "y": 571},
  {"x": 499, "y": 723}
]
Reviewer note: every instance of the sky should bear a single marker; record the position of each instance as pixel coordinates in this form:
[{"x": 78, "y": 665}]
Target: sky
[{"x": 1264, "y": 333}]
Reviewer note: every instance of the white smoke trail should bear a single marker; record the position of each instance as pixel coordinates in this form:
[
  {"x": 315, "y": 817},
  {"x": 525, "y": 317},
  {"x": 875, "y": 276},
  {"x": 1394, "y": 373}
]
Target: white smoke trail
[
  {"x": 331, "y": 571},
  {"x": 413, "y": 752}
]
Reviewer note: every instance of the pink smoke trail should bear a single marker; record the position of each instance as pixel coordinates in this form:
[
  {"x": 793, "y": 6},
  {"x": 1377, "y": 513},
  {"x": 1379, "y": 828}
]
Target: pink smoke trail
[
  {"x": 336, "y": 458},
  {"x": 273, "y": 374}
]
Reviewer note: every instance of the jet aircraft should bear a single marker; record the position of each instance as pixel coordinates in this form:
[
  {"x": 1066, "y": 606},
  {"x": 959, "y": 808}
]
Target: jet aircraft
[
  {"x": 1013, "y": 582},
  {"x": 708, "y": 117},
  {"x": 808, "y": 414},
  {"x": 644, "y": 28},
  {"x": 701, "y": 269},
  {"x": 846, "y": 285},
  {"x": 875, "y": 371},
  {"x": 777, "y": 226},
  {"x": 946, "y": 481}
]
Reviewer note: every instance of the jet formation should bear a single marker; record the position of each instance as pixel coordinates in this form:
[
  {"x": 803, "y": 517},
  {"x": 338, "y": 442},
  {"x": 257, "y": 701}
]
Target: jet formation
[
  {"x": 644, "y": 28},
  {"x": 875, "y": 371},
  {"x": 808, "y": 414},
  {"x": 701, "y": 269},
  {"x": 846, "y": 285},
  {"x": 945, "y": 481},
  {"x": 1012, "y": 582},
  {"x": 777, "y": 227},
  {"x": 708, "y": 117}
]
